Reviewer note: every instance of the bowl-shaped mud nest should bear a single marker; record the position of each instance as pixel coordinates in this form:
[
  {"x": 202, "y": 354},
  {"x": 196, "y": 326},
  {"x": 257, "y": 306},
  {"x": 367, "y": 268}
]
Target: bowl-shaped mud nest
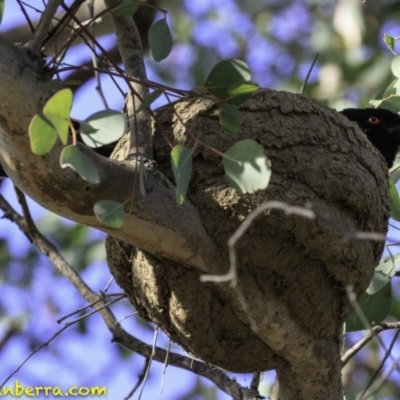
[{"x": 286, "y": 262}]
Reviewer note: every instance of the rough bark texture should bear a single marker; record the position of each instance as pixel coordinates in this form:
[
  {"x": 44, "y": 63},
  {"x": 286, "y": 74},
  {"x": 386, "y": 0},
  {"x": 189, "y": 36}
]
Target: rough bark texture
[{"x": 292, "y": 271}]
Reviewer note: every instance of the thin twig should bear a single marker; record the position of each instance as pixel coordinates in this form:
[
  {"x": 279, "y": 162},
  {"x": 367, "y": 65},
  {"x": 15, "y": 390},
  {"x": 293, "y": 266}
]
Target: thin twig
[
  {"x": 153, "y": 351},
  {"x": 388, "y": 354},
  {"x": 141, "y": 377},
  {"x": 303, "y": 86}
]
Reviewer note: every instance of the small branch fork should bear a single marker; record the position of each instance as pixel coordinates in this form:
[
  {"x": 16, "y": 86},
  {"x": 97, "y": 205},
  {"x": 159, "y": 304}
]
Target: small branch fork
[{"x": 99, "y": 302}]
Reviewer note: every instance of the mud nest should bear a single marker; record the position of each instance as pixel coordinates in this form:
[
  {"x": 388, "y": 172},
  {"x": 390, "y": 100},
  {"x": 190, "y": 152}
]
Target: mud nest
[{"x": 319, "y": 159}]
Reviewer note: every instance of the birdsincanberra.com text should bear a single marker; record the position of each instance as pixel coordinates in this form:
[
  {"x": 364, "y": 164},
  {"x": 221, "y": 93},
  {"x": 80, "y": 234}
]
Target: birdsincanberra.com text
[{"x": 19, "y": 390}]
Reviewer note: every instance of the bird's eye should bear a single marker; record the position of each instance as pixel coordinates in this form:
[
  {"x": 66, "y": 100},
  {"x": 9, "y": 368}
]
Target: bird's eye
[{"x": 374, "y": 120}]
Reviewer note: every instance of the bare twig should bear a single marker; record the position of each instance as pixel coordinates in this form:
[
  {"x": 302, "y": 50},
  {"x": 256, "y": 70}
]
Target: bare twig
[
  {"x": 303, "y": 86},
  {"x": 305, "y": 212},
  {"x": 35, "y": 43},
  {"x": 141, "y": 377},
  {"x": 365, "y": 394},
  {"x": 366, "y": 339}
]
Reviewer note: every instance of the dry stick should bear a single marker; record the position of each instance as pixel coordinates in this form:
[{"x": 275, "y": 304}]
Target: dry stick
[
  {"x": 165, "y": 365},
  {"x": 221, "y": 380},
  {"x": 28, "y": 20},
  {"x": 141, "y": 376},
  {"x": 304, "y": 212},
  {"x": 153, "y": 350},
  {"x": 379, "y": 369},
  {"x": 366, "y": 339},
  {"x": 303, "y": 86},
  {"x": 35, "y": 43},
  {"x": 58, "y": 333},
  {"x": 118, "y": 295}
]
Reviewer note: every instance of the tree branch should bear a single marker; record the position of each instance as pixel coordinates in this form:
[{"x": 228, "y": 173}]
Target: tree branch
[
  {"x": 35, "y": 43},
  {"x": 157, "y": 225},
  {"x": 131, "y": 50},
  {"x": 222, "y": 381}
]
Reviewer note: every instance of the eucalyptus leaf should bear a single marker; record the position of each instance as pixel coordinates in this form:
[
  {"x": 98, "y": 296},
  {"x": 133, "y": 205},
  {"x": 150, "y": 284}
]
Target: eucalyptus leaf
[
  {"x": 394, "y": 201},
  {"x": 181, "y": 161},
  {"x": 246, "y": 167},
  {"x": 160, "y": 40},
  {"x": 72, "y": 157},
  {"x": 126, "y": 9},
  {"x": 383, "y": 273},
  {"x": 42, "y": 135},
  {"x": 109, "y": 213},
  {"x": 57, "y": 110},
  {"x": 375, "y": 307},
  {"x": 102, "y": 128},
  {"x": 230, "y": 117},
  {"x": 225, "y": 75}
]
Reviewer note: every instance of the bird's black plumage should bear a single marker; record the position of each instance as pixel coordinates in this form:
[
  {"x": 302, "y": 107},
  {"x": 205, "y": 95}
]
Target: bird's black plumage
[{"x": 382, "y": 127}]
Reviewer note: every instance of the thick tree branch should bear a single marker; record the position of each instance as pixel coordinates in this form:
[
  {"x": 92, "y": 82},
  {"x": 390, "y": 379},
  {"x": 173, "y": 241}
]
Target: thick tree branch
[{"x": 156, "y": 224}]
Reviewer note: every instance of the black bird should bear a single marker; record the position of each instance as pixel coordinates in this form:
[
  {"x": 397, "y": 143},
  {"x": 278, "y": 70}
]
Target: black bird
[{"x": 382, "y": 127}]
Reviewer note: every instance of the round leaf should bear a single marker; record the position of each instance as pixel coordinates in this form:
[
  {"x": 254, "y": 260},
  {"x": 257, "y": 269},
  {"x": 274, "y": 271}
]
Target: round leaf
[
  {"x": 383, "y": 273},
  {"x": 375, "y": 307},
  {"x": 181, "y": 160},
  {"x": 42, "y": 135},
  {"x": 225, "y": 75},
  {"x": 160, "y": 40},
  {"x": 57, "y": 110},
  {"x": 230, "y": 118},
  {"x": 394, "y": 201},
  {"x": 240, "y": 92},
  {"x": 110, "y": 213},
  {"x": 246, "y": 167},
  {"x": 150, "y": 98},
  {"x": 395, "y": 66},
  {"x": 108, "y": 126},
  {"x": 126, "y": 9},
  {"x": 72, "y": 157}
]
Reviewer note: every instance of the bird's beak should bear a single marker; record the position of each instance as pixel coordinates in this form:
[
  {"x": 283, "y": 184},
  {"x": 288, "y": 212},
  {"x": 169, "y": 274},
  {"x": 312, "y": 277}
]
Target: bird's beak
[{"x": 394, "y": 130}]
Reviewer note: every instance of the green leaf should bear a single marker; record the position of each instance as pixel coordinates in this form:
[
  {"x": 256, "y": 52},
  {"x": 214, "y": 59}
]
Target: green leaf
[
  {"x": 225, "y": 75},
  {"x": 102, "y": 128},
  {"x": 383, "y": 273},
  {"x": 395, "y": 66},
  {"x": 42, "y": 135},
  {"x": 389, "y": 40},
  {"x": 57, "y": 110},
  {"x": 394, "y": 201},
  {"x": 72, "y": 157},
  {"x": 160, "y": 40},
  {"x": 246, "y": 167},
  {"x": 375, "y": 307},
  {"x": 2, "y": 3},
  {"x": 126, "y": 9},
  {"x": 230, "y": 117},
  {"x": 181, "y": 160},
  {"x": 150, "y": 98},
  {"x": 109, "y": 213},
  {"x": 240, "y": 92},
  {"x": 52, "y": 85}
]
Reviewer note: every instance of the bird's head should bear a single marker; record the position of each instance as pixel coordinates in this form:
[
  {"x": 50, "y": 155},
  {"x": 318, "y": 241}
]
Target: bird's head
[{"x": 382, "y": 127}]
